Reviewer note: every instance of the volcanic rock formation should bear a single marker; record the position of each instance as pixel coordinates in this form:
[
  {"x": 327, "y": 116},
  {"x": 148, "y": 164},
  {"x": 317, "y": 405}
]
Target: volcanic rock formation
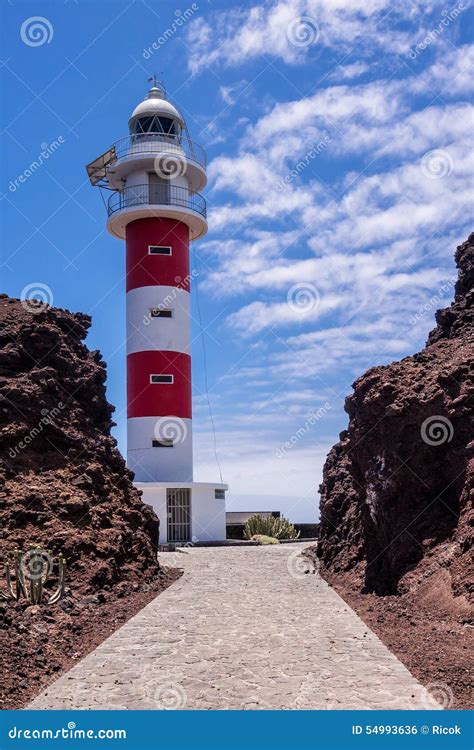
[
  {"x": 63, "y": 482},
  {"x": 396, "y": 497}
]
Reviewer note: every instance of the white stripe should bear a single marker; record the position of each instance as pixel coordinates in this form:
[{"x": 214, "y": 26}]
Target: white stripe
[
  {"x": 160, "y": 464},
  {"x": 146, "y": 333}
]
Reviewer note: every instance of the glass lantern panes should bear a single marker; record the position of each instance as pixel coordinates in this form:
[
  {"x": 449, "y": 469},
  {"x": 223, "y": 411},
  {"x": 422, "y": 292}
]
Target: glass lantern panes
[{"x": 156, "y": 124}]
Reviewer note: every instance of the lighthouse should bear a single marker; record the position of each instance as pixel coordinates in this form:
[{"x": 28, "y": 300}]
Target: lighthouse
[{"x": 154, "y": 177}]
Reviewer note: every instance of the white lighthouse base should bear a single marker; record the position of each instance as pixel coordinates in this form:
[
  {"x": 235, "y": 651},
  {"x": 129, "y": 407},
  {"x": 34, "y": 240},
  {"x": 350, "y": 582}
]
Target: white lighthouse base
[{"x": 203, "y": 521}]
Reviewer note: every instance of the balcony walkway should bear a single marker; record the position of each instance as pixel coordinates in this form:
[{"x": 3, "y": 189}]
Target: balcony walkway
[{"x": 244, "y": 627}]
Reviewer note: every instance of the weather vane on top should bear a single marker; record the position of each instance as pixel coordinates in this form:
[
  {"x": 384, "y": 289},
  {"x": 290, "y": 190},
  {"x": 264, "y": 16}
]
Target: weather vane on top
[{"x": 154, "y": 80}]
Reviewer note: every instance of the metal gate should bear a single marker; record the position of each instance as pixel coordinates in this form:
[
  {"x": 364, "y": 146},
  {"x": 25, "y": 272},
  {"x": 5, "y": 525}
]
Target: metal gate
[{"x": 178, "y": 503}]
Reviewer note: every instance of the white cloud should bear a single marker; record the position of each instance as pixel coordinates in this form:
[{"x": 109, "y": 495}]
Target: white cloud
[
  {"x": 349, "y": 72},
  {"x": 377, "y": 102},
  {"x": 236, "y": 36},
  {"x": 369, "y": 221},
  {"x": 451, "y": 75}
]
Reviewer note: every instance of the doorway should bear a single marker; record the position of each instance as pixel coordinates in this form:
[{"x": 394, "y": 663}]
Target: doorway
[
  {"x": 159, "y": 189},
  {"x": 178, "y": 511}
]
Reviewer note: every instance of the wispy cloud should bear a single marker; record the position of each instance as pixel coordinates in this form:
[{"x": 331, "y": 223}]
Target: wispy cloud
[
  {"x": 326, "y": 254},
  {"x": 288, "y": 29}
]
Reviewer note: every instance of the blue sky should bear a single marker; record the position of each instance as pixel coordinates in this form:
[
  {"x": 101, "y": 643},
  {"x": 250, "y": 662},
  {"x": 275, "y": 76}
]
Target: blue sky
[{"x": 337, "y": 138}]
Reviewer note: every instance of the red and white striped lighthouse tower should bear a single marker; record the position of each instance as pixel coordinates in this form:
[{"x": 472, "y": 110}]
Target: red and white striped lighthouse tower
[{"x": 156, "y": 173}]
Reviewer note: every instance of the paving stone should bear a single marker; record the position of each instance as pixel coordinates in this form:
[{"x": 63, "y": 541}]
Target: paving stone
[{"x": 242, "y": 628}]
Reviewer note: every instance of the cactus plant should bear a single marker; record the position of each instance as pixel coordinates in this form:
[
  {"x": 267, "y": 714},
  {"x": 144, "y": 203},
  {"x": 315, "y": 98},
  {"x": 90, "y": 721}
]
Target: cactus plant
[
  {"x": 60, "y": 591},
  {"x": 31, "y": 571},
  {"x": 278, "y": 528}
]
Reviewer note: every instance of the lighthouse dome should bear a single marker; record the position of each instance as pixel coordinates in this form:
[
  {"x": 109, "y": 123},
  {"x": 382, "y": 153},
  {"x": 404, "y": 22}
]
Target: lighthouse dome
[{"x": 156, "y": 115}]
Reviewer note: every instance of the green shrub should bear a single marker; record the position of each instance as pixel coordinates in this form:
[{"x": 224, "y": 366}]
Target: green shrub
[
  {"x": 278, "y": 528},
  {"x": 262, "y": 539}
]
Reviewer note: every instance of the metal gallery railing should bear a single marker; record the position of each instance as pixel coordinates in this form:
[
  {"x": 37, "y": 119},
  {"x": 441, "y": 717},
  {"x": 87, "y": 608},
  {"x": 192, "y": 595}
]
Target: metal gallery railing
[{"x": 163, "y": 194}]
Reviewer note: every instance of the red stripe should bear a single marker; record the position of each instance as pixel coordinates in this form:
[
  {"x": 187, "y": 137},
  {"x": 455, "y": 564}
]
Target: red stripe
[
  {"x": 146, "y": 270},
  {"x": 162, "y": 400}
]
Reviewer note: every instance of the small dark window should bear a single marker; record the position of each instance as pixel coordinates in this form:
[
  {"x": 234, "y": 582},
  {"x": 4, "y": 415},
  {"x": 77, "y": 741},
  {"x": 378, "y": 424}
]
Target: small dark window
[
  {"x": 154, "y": 379},
  {"x": 219, "y": 494},
  {"x": 157, "y": 312},
  {"x": 159, "y": 250},
  {"x": 162, "y": 444}
]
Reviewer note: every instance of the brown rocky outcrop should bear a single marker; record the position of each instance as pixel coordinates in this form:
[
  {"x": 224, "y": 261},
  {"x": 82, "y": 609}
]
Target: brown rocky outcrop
[
  {"x": 64, "y": 486},
  {"x": 63, "y": 482},
  {"x": 396, "y": 502},
  {"x": 396, "y": 497}
]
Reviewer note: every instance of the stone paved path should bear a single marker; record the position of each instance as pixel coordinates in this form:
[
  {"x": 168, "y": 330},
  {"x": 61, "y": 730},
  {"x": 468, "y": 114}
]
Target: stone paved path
[{"x": 245, "y": 627}]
